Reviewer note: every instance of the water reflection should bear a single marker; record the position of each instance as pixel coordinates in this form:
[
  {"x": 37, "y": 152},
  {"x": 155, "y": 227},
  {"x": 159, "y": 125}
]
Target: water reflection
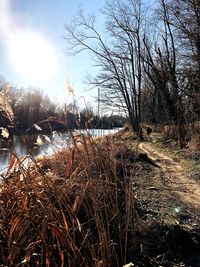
[{"x": 26, "y": 145}]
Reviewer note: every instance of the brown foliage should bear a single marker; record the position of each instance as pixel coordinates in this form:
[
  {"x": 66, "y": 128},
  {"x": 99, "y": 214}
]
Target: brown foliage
[{"x": 76, "y": 210}]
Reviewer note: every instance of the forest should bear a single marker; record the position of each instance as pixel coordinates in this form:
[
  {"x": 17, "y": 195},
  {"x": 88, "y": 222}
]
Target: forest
[{"x": 148, "y": 61}]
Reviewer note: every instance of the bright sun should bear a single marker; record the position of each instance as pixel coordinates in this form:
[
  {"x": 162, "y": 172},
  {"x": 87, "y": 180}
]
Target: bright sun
[{"x": 32, "y": 57}]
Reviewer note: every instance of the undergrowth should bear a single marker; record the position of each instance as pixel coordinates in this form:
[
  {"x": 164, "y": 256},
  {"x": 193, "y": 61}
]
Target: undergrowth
[{"x": 75, "y": 208}]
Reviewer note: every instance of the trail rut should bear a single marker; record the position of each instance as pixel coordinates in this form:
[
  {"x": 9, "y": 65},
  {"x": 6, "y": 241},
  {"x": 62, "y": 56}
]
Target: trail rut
[{"x": 178, "y": 181}]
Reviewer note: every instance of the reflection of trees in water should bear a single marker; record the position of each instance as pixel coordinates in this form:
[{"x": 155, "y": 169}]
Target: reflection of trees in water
[
  {"x": 27, "y": 144},
  {"x": 6, "y": 145},
  {"x": 18, "y": 145},
  {"x": 4, "y": 155},
  {"x": 6, "y": 142},
  {"x": 30, "y": 142}
]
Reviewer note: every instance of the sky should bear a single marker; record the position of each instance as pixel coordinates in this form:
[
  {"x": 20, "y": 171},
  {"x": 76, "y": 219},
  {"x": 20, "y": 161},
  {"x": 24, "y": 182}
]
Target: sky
[{"x": 33, "y": 51}]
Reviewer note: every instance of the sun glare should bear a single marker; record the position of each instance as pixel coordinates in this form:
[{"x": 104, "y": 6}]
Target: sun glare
[{"x": 32, "y": 57}]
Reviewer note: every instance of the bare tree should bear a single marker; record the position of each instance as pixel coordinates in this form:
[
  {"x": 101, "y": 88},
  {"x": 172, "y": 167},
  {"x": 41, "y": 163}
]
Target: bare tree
[
  {"x": 185, "y": 18},
  {"x": 118, "y": 56},
  {"x": 161, "y": 66}
]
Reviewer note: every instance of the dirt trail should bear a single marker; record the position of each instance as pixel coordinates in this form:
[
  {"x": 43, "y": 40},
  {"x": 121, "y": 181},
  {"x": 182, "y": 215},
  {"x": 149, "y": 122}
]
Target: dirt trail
[{"x": 178, "y": 179}]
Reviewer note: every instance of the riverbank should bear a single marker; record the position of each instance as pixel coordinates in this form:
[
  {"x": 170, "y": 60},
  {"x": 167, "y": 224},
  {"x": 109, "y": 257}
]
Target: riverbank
[
  {"x": 93, "y": 204},
  {"x": 41, "y": 144}
]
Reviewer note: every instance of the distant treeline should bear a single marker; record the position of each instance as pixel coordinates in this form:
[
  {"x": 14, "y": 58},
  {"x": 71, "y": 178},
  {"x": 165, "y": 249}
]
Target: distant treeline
[{"x": 32, "y": 110}]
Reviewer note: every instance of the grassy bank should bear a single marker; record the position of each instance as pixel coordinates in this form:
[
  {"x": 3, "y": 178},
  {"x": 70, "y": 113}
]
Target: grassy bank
[{"x": 84, "y": 206}]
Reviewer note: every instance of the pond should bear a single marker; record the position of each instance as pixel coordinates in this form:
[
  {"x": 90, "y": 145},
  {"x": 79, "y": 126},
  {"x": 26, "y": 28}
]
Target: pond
[{"x": 41, "y": 144}]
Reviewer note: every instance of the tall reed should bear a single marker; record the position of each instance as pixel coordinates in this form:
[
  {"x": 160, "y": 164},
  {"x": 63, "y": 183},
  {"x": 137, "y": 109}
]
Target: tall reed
[{"x": 75, "y": 208}]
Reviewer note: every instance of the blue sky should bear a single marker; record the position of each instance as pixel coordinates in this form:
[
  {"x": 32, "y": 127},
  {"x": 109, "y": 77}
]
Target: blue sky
[{"x": 43, "y": 21}]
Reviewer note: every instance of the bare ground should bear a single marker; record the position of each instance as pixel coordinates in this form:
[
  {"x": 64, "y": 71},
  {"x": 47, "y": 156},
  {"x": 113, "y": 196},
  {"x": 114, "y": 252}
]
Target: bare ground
[
  {"x": 168, "y": 204},
  {"x": 177, "y": 178}
]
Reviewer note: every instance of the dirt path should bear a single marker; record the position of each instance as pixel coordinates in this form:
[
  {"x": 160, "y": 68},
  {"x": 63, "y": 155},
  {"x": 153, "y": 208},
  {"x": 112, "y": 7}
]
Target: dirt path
[{"x": 177, "y": 177}]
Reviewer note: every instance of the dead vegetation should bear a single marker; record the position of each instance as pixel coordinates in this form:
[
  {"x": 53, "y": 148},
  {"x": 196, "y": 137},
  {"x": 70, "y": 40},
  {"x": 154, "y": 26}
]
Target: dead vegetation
[
  {"x": 191, "y": 135},
  {"x": 86, "y": 206},
  {"x": 73, "y": 209}
]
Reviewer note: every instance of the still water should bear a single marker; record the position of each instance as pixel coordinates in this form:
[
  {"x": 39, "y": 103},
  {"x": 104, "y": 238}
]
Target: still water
[{"x": 42, "y": 145}]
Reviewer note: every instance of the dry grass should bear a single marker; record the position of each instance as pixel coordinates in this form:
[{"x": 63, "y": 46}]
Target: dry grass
[
  {"x": 92, "y": 204},
  {"x": 191, "y": 131},
  {"x": 74, "y": 209},
  {"x": 194, "y": 130},
  {"x": 5, "y": 106}
]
